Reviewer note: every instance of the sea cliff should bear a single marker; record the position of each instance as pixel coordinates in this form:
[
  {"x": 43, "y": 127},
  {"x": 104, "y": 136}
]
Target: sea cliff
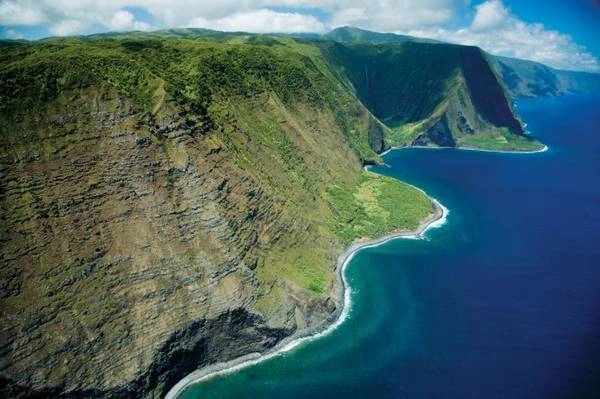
[{"x": 177, "y": 199}]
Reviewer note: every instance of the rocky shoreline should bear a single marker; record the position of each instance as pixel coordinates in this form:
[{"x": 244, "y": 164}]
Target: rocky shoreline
[{"x": 435, "y": 219}]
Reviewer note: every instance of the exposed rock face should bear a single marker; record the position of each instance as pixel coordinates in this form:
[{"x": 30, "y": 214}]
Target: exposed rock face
[
  {"x": 487, "y": 95},
  {"x": 137, "y": 239},
  {"x": 463, "y": 124},
  {"x": 376, "y": 136},
  {"x": 200, "y": 343},
  {"x": 438, "y": 134},
  {"x": 132, "y": 254}
]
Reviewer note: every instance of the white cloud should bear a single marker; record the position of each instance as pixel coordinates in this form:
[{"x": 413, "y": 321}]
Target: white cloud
[
  {"x": 66, "y": 27},
  {"x": 489, "y": 15},
  {"x": 13, "y": 34},
  {"x": 67, "y": 17},
  {"x": 493, "y": 27},
  {"x": 123, "y": 20},
  {"x": 262, "y": 21},
  {"x": 378, "y": 14},
  {"x": 499, "y": 32},
  {"x": 391, "y": 15},
  {"x": 382, "y": 15},
  {"x": 15, "y": 13}
]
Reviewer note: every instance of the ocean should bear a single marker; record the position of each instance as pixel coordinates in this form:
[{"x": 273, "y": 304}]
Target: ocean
[{"x": 503, "y": 301}]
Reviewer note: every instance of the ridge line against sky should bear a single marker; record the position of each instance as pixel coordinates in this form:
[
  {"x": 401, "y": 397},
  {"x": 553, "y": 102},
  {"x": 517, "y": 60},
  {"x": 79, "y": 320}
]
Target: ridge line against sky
[{"x": 557, "y": 33}]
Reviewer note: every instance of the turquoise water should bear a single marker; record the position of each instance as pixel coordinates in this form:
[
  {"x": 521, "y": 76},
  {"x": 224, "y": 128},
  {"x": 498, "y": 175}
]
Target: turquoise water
[{"x": 501, "y": 302}]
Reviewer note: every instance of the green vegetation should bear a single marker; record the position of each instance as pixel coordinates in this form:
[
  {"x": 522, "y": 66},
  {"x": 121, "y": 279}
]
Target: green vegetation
[
  {"x": 379, "y": 205},
  {"x": 521, "y": 77},
  {"x": 197, "y": 74},
  {"x": 399, "y": 83},
  {"x": 350, "y": 34},
  {"x": 266, "y": 102},
  {"x": 406, "y": 134},
  {"x": 274, "y": 107},
  {"x": 502, "y": 140},
  {"x": 306, "y": 271},
  {"x": 374, "y": 206}
]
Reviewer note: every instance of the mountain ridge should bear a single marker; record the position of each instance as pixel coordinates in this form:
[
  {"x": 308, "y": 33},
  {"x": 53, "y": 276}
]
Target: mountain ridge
[{"x": 350, "y": 34}]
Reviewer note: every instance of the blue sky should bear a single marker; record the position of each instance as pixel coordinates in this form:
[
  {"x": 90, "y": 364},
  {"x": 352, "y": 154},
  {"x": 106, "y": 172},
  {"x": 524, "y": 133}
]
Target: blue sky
[
  {"x": 559, "y": 33},
  {"x": 578, "y": 18}
]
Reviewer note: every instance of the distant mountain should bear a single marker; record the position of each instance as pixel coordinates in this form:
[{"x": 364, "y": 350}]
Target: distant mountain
[
  {"x": 532, "y": 79},
  {"x": 349, "y": 34},
  {"x": 521, "y": 77}
]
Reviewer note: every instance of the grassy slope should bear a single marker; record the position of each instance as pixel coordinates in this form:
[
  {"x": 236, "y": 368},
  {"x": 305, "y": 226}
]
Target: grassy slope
[
  {"x": 378, "y": 206},
  {"x": 501, "y": 140},
  {"x": 256, "y": 97}
]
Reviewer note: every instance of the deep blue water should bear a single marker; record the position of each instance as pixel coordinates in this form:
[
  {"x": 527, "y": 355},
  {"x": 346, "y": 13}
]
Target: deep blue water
[{"x": 501, "y": 302}]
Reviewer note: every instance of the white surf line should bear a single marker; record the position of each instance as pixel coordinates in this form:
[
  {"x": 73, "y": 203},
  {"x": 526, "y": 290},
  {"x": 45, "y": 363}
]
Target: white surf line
[
  {"x": 544, "y": 149},
  {"x": 254, "y": 358}
]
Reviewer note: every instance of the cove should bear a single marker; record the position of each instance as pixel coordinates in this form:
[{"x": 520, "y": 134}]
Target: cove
[{"x": 502, "y": 302}]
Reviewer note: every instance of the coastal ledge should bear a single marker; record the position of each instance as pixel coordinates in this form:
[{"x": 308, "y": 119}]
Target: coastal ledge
[{"x": 343, "y": 303}]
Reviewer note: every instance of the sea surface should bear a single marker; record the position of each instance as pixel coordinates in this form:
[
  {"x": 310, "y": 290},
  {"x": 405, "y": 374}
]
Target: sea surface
[{"x": 503, "y": 301}]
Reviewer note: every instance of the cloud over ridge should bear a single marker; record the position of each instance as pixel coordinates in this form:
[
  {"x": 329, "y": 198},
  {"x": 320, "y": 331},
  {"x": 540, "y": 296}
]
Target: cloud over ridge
[
  {"x": 492, "y": 26},
  {"x": 496, "y": 30}
]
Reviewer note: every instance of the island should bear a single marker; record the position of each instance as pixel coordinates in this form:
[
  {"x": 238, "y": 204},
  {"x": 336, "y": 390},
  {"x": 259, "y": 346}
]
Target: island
[{"x": 180, "y": 199}]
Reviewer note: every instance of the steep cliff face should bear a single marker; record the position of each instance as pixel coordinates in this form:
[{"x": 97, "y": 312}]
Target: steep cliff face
[
  {"x": 175, "y": 199},
  {"x": 487, "y": 95},
  {"x": 114, "y": 239},
  {"x": 432, "y": 94},
  {"x": 376, "y": 135},
  {"x": 155, "y": 196}
]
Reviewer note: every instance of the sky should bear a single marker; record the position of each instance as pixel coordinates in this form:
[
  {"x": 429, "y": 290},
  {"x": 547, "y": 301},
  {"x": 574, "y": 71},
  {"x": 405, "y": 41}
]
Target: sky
[{"x": 560, "y": 33}]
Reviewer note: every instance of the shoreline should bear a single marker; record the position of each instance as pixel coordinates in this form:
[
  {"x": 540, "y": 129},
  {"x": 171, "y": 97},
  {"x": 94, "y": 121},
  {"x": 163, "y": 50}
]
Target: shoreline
[
  {"x": 342, "y": 292},
  {"x": 543, "y": 149}
]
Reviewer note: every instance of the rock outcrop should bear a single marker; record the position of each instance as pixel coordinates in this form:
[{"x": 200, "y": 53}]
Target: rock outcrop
[{"x": 120, "y": 259}]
